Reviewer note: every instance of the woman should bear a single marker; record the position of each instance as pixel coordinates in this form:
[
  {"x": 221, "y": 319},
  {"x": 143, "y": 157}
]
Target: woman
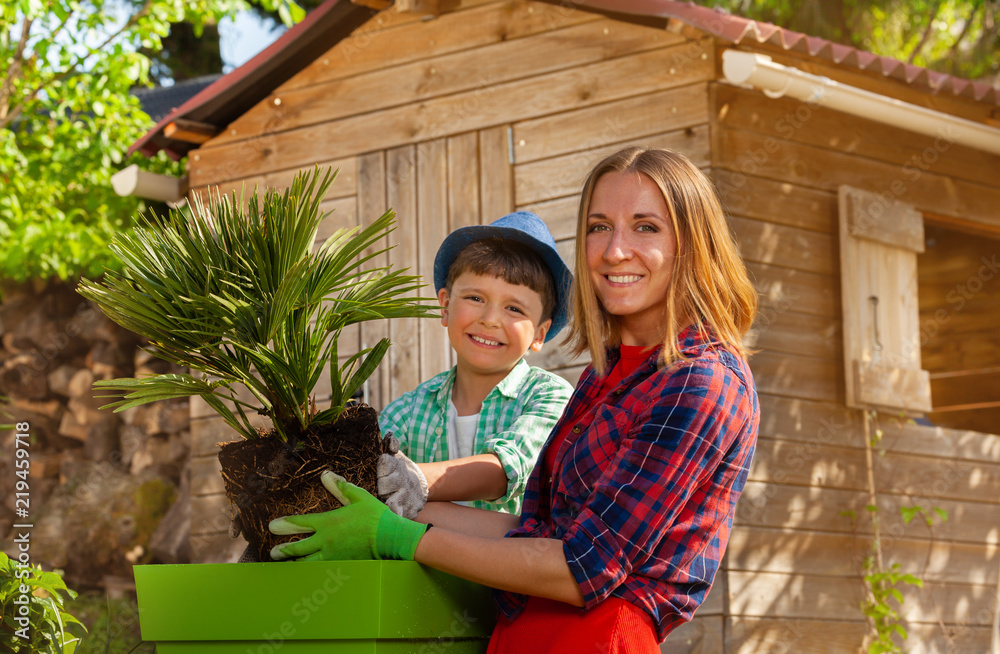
[{"x": 627, "y": 513}]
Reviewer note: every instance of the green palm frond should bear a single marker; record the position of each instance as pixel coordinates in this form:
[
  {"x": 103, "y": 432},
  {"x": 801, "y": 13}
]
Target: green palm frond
[
  {"x": 136, "y": 392},
  {"x": 237, "y": 291},
  {"x": 348, "y": 379}
]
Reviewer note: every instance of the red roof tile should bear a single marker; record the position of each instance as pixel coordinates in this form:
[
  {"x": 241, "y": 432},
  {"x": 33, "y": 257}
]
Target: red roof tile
[{"x": 739, "y": 30}]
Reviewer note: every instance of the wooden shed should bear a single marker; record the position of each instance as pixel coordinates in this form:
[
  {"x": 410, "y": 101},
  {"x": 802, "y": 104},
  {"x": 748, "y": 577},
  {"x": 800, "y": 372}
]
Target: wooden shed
[{"x": 874, "y": 249}]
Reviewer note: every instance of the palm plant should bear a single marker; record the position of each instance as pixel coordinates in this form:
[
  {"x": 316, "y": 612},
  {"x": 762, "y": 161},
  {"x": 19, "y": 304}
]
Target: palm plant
[{"x": 234, "y": 291}]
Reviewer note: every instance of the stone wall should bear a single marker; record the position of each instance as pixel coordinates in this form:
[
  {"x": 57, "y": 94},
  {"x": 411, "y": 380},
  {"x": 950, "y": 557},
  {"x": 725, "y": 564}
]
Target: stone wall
[{"x": 106, "y": 490}]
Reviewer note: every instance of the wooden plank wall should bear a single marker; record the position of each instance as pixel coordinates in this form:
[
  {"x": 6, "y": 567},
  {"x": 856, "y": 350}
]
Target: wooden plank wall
[
  {"x": 793, "y": 561},
  {"x": 960, "y": 323},
  {"x": 502, "y": 105},
  {"x": 457, "y": 121}
]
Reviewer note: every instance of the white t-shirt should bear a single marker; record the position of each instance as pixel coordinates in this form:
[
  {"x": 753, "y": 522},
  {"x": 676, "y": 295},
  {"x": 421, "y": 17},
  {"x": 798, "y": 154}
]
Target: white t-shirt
[{"x": 461, "y": 433}]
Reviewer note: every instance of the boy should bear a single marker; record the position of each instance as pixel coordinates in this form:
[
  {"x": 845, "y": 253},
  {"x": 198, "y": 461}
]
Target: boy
[{"x": 474, "y": 432}]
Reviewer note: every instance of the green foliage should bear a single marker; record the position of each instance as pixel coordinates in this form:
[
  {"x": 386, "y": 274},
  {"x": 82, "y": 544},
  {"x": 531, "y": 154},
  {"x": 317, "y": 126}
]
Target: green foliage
[
  {"x": 910, "y": 512},
  {"x": 113, "y": 625},
  {"x": 960, "y": 37},
  {"x": 883, "y": 586},
  {"x": 275, "y": 18},
  {"x": 46, "y": 629},
  {"x": 234, "y": 291},
  {"x": 67, "y": 118},
  {"x": 5, "y": 414},
  {"x": 883, "y": 591}
]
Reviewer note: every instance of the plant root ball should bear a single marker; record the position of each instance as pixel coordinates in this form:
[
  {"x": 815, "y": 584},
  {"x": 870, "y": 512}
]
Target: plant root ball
[{"x": 266, "y": 478}]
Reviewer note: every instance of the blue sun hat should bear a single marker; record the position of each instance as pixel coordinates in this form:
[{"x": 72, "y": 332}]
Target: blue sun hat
[{"x": 523, "y": 227}]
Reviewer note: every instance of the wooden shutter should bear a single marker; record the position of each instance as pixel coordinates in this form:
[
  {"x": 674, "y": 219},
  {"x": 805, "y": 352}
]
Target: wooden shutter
[{"x": 879, "y": 241}]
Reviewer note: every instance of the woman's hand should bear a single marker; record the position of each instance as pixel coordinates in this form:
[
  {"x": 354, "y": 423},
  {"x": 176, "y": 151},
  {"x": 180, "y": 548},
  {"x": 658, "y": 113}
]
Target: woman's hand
[{"x": 363, "y": 528}]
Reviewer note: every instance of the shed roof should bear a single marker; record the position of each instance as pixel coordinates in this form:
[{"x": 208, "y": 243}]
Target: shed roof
[
  {"x": 331, "y": 22},
  {"x": 160, "y": 101},
  {"x": 236, "y": 93}
]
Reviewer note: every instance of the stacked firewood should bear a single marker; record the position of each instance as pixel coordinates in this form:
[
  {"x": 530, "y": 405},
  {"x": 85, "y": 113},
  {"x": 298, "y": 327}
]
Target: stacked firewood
[{"x": 107, "y": 490}]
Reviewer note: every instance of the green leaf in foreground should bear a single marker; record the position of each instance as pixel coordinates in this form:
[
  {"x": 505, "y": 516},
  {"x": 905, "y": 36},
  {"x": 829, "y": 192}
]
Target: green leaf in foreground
[{"x": 237, "y": 292}]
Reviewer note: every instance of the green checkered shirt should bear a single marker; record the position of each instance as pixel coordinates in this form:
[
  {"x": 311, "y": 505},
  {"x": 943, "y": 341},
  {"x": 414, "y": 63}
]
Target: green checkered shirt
[{"x": 515, "y": 420}]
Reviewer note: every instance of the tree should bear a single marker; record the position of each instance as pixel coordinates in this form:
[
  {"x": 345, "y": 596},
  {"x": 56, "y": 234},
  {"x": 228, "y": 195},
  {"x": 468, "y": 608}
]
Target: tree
[
  {"x": 276, "y": 18},
  {"x": 959, "y": 37},
  {"x": 67, "y": 118},
  {"x": 187, "y": 53},
  {"x": 191, "y": 51}
]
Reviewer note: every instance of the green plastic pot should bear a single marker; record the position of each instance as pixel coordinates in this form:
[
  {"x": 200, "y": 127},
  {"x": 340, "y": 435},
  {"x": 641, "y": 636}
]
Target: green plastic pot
[{"x": 311, "y": 607}]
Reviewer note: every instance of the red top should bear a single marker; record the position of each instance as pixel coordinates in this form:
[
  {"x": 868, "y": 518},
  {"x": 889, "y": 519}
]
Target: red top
[
  {"x": 645, "y": 488},
  {"x": 619, "y": 626},
  {"x": 631, "y": 357}
]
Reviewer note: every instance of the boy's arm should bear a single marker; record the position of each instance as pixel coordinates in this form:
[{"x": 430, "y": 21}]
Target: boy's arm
[
  {"x": 479, "y": 477},
  {"x": 517, "y": 447},
  {"x": 466, "y": 520},
  {"x": 502, "y": 471}
]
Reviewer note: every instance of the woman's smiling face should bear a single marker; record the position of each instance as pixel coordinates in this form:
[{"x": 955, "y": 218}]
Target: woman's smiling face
[{"x": 630, "y": 253}]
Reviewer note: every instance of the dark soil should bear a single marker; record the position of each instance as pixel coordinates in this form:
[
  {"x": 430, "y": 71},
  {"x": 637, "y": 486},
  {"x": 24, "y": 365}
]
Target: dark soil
[{"x": 267, "y": 478}]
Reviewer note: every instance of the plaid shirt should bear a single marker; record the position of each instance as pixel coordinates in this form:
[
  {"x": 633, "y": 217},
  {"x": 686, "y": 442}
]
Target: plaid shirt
[
  {"x": 644, "y": 497},
  {"x": 516, "y": 417}
]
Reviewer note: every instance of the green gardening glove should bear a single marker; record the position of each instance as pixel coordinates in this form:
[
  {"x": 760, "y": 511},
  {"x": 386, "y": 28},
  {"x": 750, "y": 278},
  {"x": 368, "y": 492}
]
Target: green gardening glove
[{"x": 363, "y": 528}]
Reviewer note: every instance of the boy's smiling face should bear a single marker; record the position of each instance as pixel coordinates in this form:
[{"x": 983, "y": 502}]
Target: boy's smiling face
[{"x": 491, "y": 323}]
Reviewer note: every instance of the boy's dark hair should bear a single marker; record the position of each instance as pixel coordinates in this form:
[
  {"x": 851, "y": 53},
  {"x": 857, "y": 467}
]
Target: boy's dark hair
[{"x": 510, "y": 261}]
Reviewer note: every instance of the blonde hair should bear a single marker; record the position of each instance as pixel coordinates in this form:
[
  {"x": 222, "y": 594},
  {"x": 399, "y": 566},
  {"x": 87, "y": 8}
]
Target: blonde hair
[{"x": 709, "y": 286}]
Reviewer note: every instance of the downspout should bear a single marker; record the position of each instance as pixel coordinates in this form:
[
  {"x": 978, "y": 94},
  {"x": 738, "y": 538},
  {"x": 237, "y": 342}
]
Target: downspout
[{"x": 132, "y": 180}]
